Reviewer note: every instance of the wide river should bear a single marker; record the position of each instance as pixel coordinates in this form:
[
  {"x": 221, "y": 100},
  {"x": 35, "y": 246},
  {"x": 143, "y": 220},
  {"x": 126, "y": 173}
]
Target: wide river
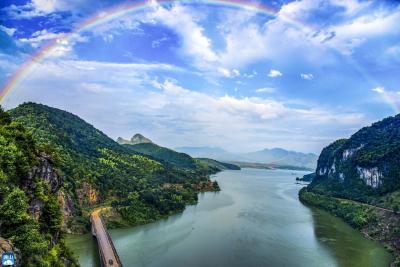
[{"x": 256, "y": 220}]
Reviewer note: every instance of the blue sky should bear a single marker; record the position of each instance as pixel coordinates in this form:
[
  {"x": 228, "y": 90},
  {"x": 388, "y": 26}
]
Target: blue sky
[{"x": 195, "y": 74}]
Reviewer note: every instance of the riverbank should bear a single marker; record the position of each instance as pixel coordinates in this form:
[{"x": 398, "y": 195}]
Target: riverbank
[
  {"x": 255, "y": 220},
  {"x": 375, "y": 223}
]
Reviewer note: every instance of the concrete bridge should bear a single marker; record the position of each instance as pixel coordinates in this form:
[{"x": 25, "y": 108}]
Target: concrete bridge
[{"x": 108, "y": 254}]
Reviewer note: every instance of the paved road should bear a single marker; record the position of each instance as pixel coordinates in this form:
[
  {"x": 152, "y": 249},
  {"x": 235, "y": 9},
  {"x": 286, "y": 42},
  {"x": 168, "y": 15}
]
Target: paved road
[{"x": 104, "y": 243}]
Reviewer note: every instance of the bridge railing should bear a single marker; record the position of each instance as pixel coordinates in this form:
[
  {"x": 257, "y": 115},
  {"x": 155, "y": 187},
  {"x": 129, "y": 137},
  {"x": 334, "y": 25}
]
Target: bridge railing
[
  {"x": 103, "y": 260},
  {"x": 112, "y": 245}
]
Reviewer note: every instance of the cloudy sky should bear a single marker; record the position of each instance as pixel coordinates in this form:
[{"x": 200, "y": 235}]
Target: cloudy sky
[{"x": 198, "y": 73}]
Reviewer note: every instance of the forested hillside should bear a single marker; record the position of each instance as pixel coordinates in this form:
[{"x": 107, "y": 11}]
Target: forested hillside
[
  {"x": 31, "y": 216},
  {"x": 365, "y": 167},
  {"x": 99, "y": 171},
  {"x": 358, "y": 179},
  {"x": 180, "y": 160}
]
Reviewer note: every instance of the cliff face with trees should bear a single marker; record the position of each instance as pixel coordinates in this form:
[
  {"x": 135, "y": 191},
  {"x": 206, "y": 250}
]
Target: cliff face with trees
[
  {"x": 365, "y": 167},
  {"x": 31, "y": 219},
  {"x": 358, "y": 179}
]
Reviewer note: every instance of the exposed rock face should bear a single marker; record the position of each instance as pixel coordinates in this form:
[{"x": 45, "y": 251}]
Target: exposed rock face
[
  {"x": 367, "y": 163},
  {"x": 371, "y": 176},
  {"x": 68, "y": 209},
  {"x": 7, "y": 246},
  {"x": 87, "y": 195},
  {"x": 46, "y": 172},
  {"x": 338, "y": 162}
]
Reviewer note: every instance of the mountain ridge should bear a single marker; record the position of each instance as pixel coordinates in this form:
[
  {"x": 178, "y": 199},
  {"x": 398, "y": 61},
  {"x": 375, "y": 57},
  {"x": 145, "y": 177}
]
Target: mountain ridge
[{"x": 277, "y": 156}]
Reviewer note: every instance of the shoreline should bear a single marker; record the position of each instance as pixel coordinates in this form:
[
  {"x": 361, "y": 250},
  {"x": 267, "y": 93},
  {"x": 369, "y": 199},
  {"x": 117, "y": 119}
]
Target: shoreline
[{"x": 374, "y": 224}]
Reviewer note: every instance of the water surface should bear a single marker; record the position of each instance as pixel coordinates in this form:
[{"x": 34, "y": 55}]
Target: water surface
[{"x": 256, "y": 220}]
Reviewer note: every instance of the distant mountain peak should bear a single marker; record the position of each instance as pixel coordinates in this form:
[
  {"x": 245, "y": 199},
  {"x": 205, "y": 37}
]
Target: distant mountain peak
[{"x": 136, "y": 139}]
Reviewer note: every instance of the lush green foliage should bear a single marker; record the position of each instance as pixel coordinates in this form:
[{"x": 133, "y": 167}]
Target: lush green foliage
[
  {"x": 180, "y": 160},
  {"x": 373, "y": 149},
  {"x": 39, "y": 240},
  {"x": 306, "y": 177},
  {"x": 355, "y": 214},
  {"x": 217, "y": 164},
  {"x": 163, "y": 180}
]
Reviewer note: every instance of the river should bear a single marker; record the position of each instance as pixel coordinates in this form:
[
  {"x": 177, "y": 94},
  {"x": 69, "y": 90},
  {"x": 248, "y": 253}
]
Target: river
[{"x": 256, "y": 220}]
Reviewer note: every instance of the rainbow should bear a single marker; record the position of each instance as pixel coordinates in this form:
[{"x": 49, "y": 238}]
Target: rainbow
[{"x": 119, "y": 11}]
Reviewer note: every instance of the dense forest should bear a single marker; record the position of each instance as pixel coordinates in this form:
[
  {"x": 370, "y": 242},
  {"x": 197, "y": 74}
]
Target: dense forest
[
  {"x": 358, "y": 179},
  {"x": 31, "y": 213},
  {"x": 86, "y": 169}
]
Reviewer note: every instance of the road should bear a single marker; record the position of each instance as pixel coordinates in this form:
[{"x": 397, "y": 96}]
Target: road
[{"x": 105, "y": 244}]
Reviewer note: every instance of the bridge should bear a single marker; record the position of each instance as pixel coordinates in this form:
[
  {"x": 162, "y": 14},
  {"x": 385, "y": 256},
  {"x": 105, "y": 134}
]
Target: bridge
[{"x": 108, "y": 254}]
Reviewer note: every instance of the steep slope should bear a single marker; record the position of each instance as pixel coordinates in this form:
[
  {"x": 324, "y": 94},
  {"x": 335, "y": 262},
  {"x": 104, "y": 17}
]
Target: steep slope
[
  {"x": 180, "y": 160},
  {"x": 364, "y": 166},
  {"x": 358, "y": 179},
  {"x": 217, "y": 164},
  {"x": 136, "y": 139},
  {"x": 31, "y": 218},
  {"x": 98, "y": 170}
]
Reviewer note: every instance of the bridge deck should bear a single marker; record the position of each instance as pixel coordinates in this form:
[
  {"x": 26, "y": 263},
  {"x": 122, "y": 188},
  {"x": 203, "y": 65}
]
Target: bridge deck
[{"x": 106, "y": 247}]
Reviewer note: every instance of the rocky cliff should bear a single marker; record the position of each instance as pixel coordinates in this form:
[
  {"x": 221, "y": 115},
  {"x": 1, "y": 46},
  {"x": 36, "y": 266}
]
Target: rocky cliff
[{"x": 363, "y": 166}]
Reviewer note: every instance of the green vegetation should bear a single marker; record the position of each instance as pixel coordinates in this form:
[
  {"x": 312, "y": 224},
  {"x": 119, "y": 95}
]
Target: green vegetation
[
  {"x": 142, "y": 182},
  {"x": 356, "y": 215},
  {"x": 180, "y": 160},
  {"x": 306, "y": 177},
  {"x": 217, "y": 164},
  {"x": 375, "y": 223},
  {"x": 364, "y": 169},
  {"x": 39, "y": 239}
]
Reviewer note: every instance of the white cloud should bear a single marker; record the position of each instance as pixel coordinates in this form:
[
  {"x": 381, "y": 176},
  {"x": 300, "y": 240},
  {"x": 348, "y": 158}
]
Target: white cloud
[
  {"x": 274, "y": 73},
  {"x": 157, "y": 43},
  {"x": 379, "y": 90},
  {"x": 353, "y": 33},
  {"x": 26, "y": 11},
  {"x": 39, "y": 37},
  {"x": 194, "y": 43},
  {"x": 48, "y": 6},
  {"x": 228, "y": 73},
  {"x": 265, "y": 90},
  {"x": 9, "y": 31},
  {"x": 173, "y": 114},
  {"x": 307, "y": 76},
  {"x": 351, "y": 7},
  {"x": 45, "y": 5}
]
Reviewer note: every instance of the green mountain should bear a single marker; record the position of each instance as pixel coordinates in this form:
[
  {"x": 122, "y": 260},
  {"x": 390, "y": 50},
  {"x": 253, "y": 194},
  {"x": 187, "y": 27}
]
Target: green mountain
[
  {"x": 136, "y": 139},
  {"x": 177, "y": 159},
  {"x": 86, "y": 169},
  {"x": 358, "y": 180},
  {"x": 30, "y": 187},
  {"x": 217, "y": 164},
  {"x": 180, "y": 160},
  {"x": 363, "y": 167}
]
